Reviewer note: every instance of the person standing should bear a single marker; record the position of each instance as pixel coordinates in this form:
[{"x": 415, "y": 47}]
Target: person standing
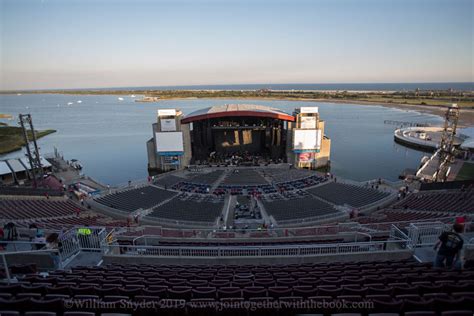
[{"x": 450, "y": 245}]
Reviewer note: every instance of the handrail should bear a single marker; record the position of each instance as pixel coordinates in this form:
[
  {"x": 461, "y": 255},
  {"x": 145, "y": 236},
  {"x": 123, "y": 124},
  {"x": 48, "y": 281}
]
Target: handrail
[
  {"x": 283, "y": 230},
  {"x": 258, "y": 251},
  {"x": 363, "y": 234}
]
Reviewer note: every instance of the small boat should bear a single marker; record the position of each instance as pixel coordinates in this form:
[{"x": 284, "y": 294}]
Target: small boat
[
  {"x": 79, "y": 101},
  {"x": 70, "y": 103},
  {"x": 120, "y": 99},
  {"x": 132, "y": 96}
]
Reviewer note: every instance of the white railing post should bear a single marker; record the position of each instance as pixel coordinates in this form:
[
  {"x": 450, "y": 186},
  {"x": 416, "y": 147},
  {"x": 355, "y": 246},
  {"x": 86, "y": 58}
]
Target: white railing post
[{"x": 7, "y": 271}]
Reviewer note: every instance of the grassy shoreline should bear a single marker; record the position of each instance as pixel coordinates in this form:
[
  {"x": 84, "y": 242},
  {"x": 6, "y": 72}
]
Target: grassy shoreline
[
  {"x": 431, "y": 102},
  {"x": 428, "y": 98},
  {"x": 11, "y": 138}
]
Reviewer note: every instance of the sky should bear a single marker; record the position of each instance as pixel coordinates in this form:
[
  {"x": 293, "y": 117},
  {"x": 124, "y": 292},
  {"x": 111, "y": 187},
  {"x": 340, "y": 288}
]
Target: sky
[{"x": 48, "y": 44}]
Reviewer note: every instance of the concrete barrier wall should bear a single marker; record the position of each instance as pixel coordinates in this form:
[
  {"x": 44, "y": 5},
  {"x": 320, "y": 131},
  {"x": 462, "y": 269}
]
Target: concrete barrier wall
[{"x": 43, "y": 261}]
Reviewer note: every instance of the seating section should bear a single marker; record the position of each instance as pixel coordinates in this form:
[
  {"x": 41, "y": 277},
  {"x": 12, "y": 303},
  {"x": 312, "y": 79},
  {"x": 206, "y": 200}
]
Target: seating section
[
  {"x": 244, "y": 177},
  {"x": 341, "y": 193},
  {"x": 387, "y": 287},
  {"x": 190, "y": 208},
  {"x": 386, "y": 216},
  {"x": 300, "y": 183},
  {"x": 134, "y": 199},
  {"x": 25, "y": 209},
  {"x": 91, "y": 219},
  {"x": 208, "y": 178},
  {"x": 282, "y": 174},
  {"x": 201, "y": 183},
  {"x": 298, "y": 208},
  {"x": 167, "y": 181},
  {"x": 258, "y": 189},
  {"x": 29, "y": 191},
  {"x": 191, "y": 187},
  {"x": 455, "y": 201}
]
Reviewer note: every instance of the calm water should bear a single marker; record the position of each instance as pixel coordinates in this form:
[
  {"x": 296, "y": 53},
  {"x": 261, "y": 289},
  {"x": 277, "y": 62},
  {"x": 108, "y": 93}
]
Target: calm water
[{"x": 108, "y": 136}]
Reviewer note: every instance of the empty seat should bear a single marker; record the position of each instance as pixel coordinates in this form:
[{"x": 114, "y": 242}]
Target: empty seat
[
  {"x": 420, "y": 313},
  {"x": 9, "y": 313},
  {"x": 454, "y": 313}
]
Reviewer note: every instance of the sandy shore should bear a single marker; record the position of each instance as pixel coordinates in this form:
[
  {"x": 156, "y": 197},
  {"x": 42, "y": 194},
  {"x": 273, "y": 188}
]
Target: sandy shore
[{"x": 466, "y": 118}]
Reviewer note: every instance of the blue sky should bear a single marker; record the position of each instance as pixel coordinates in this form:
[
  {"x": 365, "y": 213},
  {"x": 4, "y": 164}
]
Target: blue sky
[{"x": 78, "y": 44}]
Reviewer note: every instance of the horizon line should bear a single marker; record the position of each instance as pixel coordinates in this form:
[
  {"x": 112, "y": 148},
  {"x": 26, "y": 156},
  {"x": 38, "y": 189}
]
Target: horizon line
[{"x": 233, "y": 84}]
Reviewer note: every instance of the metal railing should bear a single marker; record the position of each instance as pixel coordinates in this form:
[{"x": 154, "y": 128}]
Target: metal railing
[
  {"x": 70, "y": 243},
  {"x": 70, "y": 246},
  {"x": 397, "y": 234},
  {"x": 289, "y": 232},
  {"x": 335, "y": 216},
  {"x": 257, "y": 251},
  {"x": 425, "y": 234}
]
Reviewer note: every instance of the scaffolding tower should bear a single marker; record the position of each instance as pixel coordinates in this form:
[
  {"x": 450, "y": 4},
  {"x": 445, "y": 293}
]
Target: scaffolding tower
[
  {"x": 32, "y": 153},
  {"x": 446, "y": 147}
]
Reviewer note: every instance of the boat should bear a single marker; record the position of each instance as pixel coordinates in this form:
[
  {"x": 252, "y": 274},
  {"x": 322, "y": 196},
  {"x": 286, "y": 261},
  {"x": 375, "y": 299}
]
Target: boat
[
  {"x": 120, "y": 99},
  {"x": 79, "y": 101},
  {"x": 70, "y": 103}
]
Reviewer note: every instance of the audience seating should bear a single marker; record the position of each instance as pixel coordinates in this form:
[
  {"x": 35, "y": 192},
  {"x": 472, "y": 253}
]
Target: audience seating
[
  {"x": 298, "y": 208},
  {"x": 406, "y": 287},
  {"x": 167, "y": 181},
  {"x": 390, "y": 216},
  {"x": 134, "y": 199},
  {"x": 341, "y": 193},
  {"x": 300, "y": 183},
  {"x": 193, "y": 208},
  {"x": 281, "y": 175},
  {"x": 455, "y": 201},
  {"x": 29, "y": 191},
  {"x": 25, "y": 209},
  {"x": 244, "y": 177}
]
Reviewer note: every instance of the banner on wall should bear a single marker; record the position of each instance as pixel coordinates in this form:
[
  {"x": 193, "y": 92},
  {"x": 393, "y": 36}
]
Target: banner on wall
[
  {"x": 306, "y": 139},
  {"x": 306, "y": 157},
  {"x": 169, "y": 142}
]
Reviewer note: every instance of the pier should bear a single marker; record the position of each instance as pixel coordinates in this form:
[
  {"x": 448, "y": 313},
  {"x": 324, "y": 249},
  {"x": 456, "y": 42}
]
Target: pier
[{"x": 406, "y": 124}]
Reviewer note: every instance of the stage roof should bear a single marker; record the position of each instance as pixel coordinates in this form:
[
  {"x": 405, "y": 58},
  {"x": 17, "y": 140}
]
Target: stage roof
[{"x": 228, "y": 110}]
